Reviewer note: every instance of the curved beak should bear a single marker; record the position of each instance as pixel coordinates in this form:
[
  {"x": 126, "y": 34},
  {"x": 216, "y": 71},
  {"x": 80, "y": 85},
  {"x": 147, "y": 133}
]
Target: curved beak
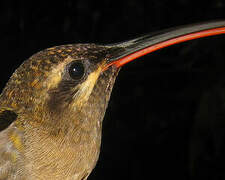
[{"x": 132, "y": 49}]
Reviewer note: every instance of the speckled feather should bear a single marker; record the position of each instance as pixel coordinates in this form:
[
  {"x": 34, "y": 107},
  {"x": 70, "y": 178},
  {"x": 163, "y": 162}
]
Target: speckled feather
[{"x": 51, "y": 137}]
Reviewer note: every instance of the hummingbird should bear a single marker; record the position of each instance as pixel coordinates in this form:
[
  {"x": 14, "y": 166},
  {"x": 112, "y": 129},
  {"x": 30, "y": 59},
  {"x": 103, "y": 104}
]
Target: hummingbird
[{"x": 52, "y": 107}]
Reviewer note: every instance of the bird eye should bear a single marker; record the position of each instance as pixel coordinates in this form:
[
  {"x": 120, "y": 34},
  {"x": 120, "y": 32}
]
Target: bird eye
[{"x": 76, "y": 70}]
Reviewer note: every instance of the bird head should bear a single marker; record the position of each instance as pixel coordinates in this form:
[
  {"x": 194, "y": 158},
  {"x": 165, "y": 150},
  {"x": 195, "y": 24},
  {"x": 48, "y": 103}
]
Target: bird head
[
  {"x": 69, "y": 85},
  {"x": 54, "y": 103},
  {"x": 63, "y": 86}
]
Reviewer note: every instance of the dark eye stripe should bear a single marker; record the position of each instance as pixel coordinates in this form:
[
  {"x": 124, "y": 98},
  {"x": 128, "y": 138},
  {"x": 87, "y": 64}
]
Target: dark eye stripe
[{"x": 62, "y": 95}]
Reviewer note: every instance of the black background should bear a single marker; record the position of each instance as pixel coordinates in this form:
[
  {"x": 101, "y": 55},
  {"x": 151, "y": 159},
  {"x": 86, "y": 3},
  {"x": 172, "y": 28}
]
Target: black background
[{"x": 166, "y": 115}]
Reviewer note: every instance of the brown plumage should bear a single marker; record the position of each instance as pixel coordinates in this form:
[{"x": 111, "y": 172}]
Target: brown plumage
[
  {"x": 52, "y": 108},
  {"x": 56, "y": 128}
]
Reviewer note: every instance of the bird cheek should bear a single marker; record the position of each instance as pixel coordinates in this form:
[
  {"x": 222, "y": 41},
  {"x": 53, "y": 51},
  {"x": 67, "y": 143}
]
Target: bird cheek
[{"x": 85, "y": 89}]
